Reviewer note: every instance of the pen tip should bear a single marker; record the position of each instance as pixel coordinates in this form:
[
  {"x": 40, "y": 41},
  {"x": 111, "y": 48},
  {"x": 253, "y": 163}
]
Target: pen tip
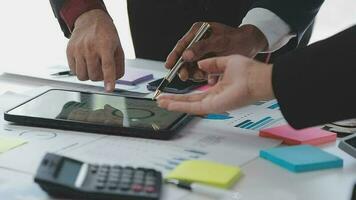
[{"x": 157, "y": 93}]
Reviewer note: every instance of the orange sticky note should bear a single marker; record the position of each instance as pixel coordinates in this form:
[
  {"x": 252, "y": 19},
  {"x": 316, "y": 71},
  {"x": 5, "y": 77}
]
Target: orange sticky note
[{"x": 291, "y": 136}]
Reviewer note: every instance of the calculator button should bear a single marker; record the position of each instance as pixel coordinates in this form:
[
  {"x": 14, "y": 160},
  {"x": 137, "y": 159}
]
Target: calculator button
[
  {"x": 104, "y": 170},
  {"x": 115, "y": 171},
  {"x": 117, "y": 167},
  {"x": 113, "y": 185},
  {"x": 114, "y": 177},
  {"x": 128, "y": 170},
  {"x": 105, "y": 166},
  {"x": 139, "y": 181},
  {"x": 113, "y": 180},
  {"x": 94, "y": 168},
  {"x": 124, "y": 187},
  {"x": 101, "y": 179},
  {"x": 150, "y": 189},
  {"x": 102, "y": 175},
  {"x": 126, "y": 176},
  {"x": 136, "y": 187},
  {"x": 100, "y": 185},
  {"x": 125, "y": 180},
  {"x": 150, "y": 183}
]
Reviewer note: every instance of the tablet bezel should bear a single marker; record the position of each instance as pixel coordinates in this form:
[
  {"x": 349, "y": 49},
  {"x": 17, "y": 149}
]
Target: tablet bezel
[{"x": 95, "y": 128}]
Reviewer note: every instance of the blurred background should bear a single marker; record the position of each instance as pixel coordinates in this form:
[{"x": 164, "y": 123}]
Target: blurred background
[{"x": 30, "y": 36}]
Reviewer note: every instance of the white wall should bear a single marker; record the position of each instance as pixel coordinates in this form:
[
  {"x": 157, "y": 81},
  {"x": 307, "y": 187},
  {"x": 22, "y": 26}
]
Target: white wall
[{"x": 30, "y": 35}]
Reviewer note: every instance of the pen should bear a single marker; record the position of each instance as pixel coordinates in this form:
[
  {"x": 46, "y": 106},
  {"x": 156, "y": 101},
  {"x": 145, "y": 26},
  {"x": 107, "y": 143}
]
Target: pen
[
  {"x": 210, "y": 191},
  {"x": 63, "y": 73},
  {"x": 173, "y": 72}
]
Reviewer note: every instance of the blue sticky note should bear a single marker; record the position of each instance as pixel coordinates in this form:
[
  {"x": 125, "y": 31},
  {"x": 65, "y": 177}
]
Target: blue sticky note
[
  {"x": 223, "y": 116},
  {"x": 301, "y": 158}
]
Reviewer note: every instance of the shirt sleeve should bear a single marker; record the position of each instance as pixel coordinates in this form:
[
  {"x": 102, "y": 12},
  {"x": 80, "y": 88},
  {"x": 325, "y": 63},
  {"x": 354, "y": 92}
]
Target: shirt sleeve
[{"x": 277, "y": 32}]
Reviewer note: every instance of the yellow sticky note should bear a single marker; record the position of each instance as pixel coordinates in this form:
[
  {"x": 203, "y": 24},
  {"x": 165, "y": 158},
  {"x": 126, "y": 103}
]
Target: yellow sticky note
[
  {"x": 206, "y": 172},
  {"x": 7, "y": 143}
]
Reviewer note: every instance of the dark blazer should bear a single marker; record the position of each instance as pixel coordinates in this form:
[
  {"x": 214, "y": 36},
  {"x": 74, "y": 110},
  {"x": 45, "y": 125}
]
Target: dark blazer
[
  {"x": 315, "y": 85},
  {"x": 157, "y": 25},
  {"x": 298, "y": 14}
]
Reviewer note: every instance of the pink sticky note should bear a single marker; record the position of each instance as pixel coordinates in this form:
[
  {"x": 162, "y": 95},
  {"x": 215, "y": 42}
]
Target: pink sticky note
[
  {"x": 312, "y": 136},
  {"x": 203, "y": 88}
]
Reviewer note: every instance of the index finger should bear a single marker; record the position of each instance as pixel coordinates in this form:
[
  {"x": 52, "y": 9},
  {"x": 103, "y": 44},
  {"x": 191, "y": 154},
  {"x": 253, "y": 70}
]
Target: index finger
[
  {"x": 214, "y": 65},
  {"x": 181, "y": 45},
  {"x": 109, "y": 71}
]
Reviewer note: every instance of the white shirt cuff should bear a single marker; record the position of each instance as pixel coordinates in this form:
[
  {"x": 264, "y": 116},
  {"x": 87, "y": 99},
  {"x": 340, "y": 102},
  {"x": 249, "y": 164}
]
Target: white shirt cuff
[{"x": 276, "y": 31}]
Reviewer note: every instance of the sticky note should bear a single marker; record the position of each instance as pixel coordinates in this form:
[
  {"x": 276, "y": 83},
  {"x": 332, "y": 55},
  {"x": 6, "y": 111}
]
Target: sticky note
[
  {"x": 222, "y": 116},
  {"x": 301, "y": 158},
  {"x": 134, "y": 76},
  {"x": 206, "y": 172},
  {"x": 312, "y": 136},
  {"x": 8, "y": 143}
]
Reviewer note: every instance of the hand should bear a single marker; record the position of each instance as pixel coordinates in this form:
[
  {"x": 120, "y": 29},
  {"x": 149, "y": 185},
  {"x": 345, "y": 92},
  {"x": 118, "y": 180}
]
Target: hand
[
  {"x": 224, "y": 40},
  {"x": 244, "y": 81},
  {"x": 94, "y": 51}
]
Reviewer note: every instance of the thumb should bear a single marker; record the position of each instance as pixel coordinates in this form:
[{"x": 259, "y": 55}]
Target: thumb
[{"x": 214, "y": 65}]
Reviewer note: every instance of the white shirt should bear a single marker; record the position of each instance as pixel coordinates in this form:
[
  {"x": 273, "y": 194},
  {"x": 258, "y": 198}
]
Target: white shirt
[{"x": 277, "y": 32}]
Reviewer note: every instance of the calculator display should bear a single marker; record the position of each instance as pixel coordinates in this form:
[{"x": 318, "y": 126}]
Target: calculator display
[
  {"x": 351, "y": 141},
  {"x": 68, "y": 172}
]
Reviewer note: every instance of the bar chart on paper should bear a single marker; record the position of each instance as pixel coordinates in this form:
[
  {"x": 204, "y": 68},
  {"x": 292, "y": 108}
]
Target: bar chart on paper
[
  {"x": 272, "y": 105},
  {"x": 258, "y": 124}
]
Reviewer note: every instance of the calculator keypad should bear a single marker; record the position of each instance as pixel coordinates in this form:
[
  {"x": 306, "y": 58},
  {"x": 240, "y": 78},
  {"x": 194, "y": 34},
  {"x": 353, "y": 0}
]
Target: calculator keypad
[{"x": 126, "y": 179}]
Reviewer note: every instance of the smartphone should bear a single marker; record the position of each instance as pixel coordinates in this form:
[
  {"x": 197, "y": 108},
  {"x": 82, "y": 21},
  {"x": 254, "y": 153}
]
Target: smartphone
[{"x": 177, "y": 86}]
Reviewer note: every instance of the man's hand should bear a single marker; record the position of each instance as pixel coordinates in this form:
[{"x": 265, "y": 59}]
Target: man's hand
[
  {"x": 94, "y": 50},
  {"x": 224, "y": 40},
  {"x": 244, "y": 81}
]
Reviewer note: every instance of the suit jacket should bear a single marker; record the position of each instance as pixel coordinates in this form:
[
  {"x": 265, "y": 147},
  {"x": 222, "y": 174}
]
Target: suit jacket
[
  {"x": 316, "y": 84},
  {"x": 298, "y": 14},
  {"x": 157, "y": 25}
]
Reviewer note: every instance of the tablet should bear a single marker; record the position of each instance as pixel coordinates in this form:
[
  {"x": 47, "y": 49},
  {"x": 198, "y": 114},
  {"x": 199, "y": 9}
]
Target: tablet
[{"x": 99, "y": 113}]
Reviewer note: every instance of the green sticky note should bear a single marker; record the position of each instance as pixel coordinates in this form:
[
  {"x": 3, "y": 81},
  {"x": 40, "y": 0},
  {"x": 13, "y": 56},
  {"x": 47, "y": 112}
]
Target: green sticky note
[
  {"x": 7, "y": 143},
  {"x": 206, "y": 172}
]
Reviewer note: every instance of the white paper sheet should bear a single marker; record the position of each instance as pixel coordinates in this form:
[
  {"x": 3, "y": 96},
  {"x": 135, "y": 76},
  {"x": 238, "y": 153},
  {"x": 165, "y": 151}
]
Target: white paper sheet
[
  {"x": 198, "y": 140},
  {"x": 201, "y": 139},
  {"x": 154, "y": 67}
]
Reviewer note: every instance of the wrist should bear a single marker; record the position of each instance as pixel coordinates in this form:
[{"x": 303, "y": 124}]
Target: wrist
[
  {"x": 73, "y": 9},
  {"x": 91, "y": 18},
  {"x": 260, "y": 81},
  {"x": 256, "y": 37}
]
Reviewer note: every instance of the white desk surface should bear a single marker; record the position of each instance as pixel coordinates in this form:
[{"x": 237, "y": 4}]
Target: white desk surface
[{"x": 261, "y": 180}]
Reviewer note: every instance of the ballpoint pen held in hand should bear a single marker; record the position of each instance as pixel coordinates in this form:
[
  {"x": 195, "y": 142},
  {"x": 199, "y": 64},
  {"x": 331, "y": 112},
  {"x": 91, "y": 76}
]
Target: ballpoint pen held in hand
[{"x": 174, "y": 71}]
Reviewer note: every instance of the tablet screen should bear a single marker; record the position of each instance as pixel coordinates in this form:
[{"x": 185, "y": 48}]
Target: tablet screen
[{"x": 98, "y": 109}]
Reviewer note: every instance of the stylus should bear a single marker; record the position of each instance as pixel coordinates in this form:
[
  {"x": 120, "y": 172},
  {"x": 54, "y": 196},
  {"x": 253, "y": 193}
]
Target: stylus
[{"x": 174, "y": 71}]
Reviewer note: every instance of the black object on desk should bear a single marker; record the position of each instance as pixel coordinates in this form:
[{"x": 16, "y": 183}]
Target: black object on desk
[
  {"x": 177, "y": 86},
  {"x": 64, "y": 177},
  {"x": 348, "y": 144},
  {"x": 63, "y": 73},
  {"x": 99, "y": 113}
]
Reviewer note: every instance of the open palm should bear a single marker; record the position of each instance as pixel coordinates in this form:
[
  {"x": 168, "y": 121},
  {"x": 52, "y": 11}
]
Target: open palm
[{"x": 232, "y": 91}]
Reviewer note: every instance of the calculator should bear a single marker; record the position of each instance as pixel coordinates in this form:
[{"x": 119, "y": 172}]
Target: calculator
[
  {"x": 348, "y": 144},
  {"x": 64, "y": 177}
]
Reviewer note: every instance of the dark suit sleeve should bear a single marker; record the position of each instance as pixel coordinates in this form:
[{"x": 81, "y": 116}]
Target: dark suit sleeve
[
  {"x": 56, "y": 7},
  {"x": 316, "y": 84},
  {"x": 67, "y": 11},
  {"x": 298, "y": 14}
]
